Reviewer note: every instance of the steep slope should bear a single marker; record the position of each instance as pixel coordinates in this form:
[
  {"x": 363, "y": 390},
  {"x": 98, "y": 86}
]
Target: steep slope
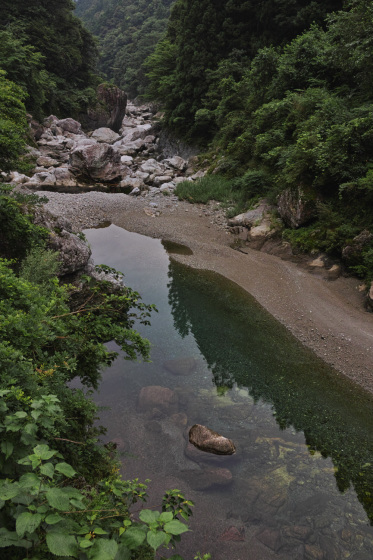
[{"x": 128, "y": 31}]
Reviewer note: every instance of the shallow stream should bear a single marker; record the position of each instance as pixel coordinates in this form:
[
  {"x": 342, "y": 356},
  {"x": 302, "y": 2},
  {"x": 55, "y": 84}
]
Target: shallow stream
[{"x": 302, "y": 477}]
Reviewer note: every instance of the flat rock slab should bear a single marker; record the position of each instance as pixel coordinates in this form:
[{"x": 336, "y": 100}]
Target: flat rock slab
[
  {"x": 181, "y": 366},
  {"x": 207, "y": 440}
]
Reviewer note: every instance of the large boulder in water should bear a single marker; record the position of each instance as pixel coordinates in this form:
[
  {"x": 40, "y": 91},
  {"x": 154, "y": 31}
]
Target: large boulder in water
[
  {"x": 207, "y": 440},
  {"x": 109, "y": 110},
  {"x": 96, "y": 162}
]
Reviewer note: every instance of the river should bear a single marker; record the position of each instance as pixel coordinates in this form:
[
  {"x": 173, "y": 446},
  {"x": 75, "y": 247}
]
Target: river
[{"x": 302, "y": 478}]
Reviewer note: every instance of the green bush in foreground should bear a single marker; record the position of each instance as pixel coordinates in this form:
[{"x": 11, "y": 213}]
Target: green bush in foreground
[{"x": 60, "y": 490}]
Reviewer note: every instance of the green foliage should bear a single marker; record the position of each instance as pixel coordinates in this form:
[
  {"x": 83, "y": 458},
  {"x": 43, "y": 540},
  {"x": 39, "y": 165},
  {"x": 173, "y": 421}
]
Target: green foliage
[
  {"x": 47, "y": 51},
  {"x": 18, "y": 234},
  {"x": 128, "y": 31},
  {"x": 13, "y": 124},
  {"x": 204, "y": 38},
  {"x": 210, "y": 187},
  {"x": 60, "y": 491}
]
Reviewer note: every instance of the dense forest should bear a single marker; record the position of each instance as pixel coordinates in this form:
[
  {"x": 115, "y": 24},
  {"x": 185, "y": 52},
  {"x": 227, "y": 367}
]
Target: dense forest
[
  {"x": 280, "y": 96},
  {"x": 46, "y": 50},
  {"x": 128, "y": 31}
]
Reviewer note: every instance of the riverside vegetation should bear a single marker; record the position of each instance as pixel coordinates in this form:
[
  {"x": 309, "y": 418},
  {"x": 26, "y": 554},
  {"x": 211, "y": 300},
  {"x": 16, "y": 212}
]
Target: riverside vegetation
[
  {"x": 60, "y": 490},
  {"x": 52, "y": 502},
  {"x": 279, "y": 97}
]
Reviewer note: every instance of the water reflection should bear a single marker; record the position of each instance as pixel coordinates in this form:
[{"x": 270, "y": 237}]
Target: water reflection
[{"x": 243, "y": 345}]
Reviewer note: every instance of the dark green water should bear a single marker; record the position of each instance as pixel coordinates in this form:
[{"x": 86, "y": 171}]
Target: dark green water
[{"x": 303, "y": 474}]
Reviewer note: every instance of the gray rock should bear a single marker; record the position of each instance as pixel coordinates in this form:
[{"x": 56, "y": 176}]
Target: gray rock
[
  {"x": 181, "y": 366},
  {"x": 176, "y": 162},
  {"x": 131, "y": 182},
  {"x": 69, "y": 125},
  {"x": 251, "y": 217},
  {"x": 109, "y": 111},
  {"x": 351, "y": 253},
  {"x": 45, "y": 161},
  {"x": 151, "y": 166},
  {"x": 207, "y": 440},
  {"x": 161, "y": 179},
  {"x": 208, "y": 478},
  {"x": 156, "y": 397},
  {"x": 296, "y": 206},
  {"x": 96, "y": 162},
  {"x": 105, "y": 134},
  {"x": 74, "y": 254}
]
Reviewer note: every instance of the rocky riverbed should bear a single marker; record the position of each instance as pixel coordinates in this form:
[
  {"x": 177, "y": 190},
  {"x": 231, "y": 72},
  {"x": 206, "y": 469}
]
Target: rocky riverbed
[{"x": 322, "y": 309}]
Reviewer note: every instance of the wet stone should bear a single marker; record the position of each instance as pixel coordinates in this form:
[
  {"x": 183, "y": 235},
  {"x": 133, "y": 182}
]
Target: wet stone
[
  {"x": 181, "y": 366},
  {"x": 270, "y": 538},
  {"x": 233, "y": 534}
]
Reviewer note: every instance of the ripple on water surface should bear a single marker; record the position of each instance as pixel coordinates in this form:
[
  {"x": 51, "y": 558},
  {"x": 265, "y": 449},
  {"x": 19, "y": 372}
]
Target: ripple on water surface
[{"x": 301, "y": 482}]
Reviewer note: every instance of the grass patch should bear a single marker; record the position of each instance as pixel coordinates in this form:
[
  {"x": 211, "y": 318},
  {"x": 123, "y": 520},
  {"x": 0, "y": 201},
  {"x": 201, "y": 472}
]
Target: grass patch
[{"x": 210, "y": 187}]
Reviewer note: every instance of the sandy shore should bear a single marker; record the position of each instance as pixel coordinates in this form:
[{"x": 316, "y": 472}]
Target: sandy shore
[{"x": 326, "y": 316}]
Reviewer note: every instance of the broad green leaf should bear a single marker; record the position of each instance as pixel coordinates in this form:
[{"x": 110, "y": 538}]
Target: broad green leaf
[
  {"x": 149, "y": 516},
  {"x": 99, "y": 531},
  {"x": 10, "y": 538},
  {"x": 53, "y": 518},
  {"x": 29, "y": 480},
  {"x": 78, "y": 504},
  {"x": 47, "y": 469},
  {"x": 86, "y": 544},
  {"x": 44, "y": 452},
  {"x": 134, "y": 537},
  {"x": 62, "y": 544},
  {"x": 20, "y": 414},
  {"x": 27, "y": 523},
  {"x": 175, "y": 527},
  {"x": 104, "y": 549},
  {"x": 58, "y": 498},
  {"x": 156, "y": 538},
  {"x": 166, "y": 516},
  {"x": 65, "y": 469},
  {"x": 123, "y": 552},
  {"x": 8, "y": 490},
  {"x": 7, "y": 448},
  {"x": 2, "y": 504}
]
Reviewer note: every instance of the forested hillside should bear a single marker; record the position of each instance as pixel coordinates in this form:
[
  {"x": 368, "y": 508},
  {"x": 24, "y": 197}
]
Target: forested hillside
[
  {"x": 128, "y": 31},
  {"x": 46, "y": 50},
  {"x": 294, "y": 114}
]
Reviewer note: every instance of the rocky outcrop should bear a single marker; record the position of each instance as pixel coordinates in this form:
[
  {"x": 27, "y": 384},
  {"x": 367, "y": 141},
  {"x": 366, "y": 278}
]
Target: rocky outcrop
[
  {"x": 96, "y": 162},
  {"x": 109, "y": 110},
  {"x": 352, "y": 253},
  {"x": 296, "y": 206},
  {"x": 207, "y": 440},
  {"x": 74, "y": 254},
  {"x": 251, "y": 217}
]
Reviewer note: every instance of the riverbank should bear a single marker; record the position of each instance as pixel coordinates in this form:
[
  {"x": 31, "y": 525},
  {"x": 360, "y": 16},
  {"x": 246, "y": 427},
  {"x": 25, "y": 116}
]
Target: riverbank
[{"x": 327, "y": 316}]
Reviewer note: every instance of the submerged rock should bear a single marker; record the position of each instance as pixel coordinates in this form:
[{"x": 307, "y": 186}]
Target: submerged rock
[
  {"x": 207, "y": 440},
  {"x": 181, "y": 366},
  {"x": 156, "y": 397},
  {"x": 205, "y": 479}
]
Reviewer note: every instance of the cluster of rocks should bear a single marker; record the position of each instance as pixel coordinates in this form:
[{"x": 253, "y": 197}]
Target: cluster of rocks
[
  {"x": 207, "y": 450},
  {"x": 70, "y": 160}
]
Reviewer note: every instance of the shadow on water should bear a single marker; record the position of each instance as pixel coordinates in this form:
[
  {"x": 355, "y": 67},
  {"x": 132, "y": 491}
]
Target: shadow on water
[{"x": 242, "y": 344}]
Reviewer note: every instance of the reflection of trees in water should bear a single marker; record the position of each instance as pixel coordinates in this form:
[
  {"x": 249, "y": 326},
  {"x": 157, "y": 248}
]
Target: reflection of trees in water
[{"x": 242, "y": 344}]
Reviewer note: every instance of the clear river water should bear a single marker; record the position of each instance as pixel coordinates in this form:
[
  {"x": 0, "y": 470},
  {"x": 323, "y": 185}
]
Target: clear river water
[{"x": 301, "y": 483}]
